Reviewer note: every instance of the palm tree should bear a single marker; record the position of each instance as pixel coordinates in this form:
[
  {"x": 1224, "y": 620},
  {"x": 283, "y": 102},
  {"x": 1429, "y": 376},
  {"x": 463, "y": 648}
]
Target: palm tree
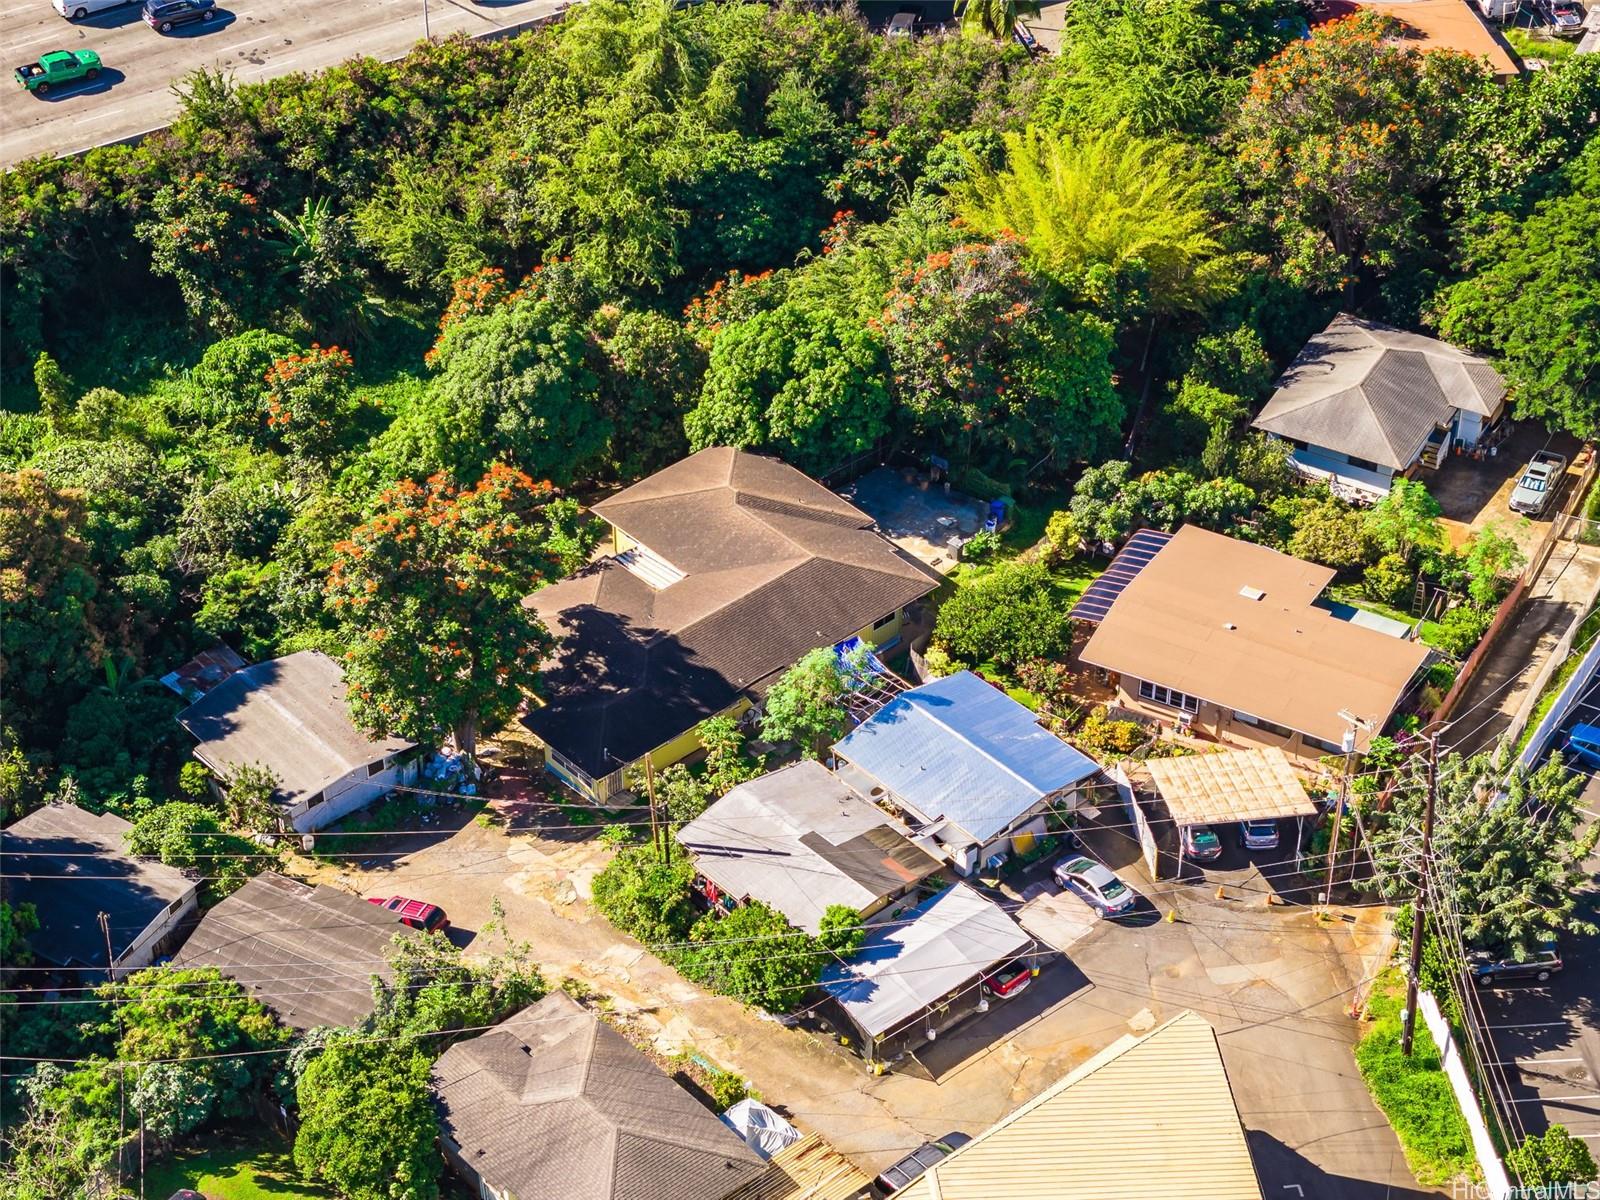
[
  {"x": 1107, "y": 198},
  {"x": 993, "y": 18}
]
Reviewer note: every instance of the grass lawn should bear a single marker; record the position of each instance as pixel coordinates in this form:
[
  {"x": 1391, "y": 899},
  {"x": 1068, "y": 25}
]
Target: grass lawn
[
  {"x": 1351, "y": 594},
  {"x": 1413, "y": 1092},
  {"x": 233, "y": 1171},
  {"x": 1530, "y": 45}
]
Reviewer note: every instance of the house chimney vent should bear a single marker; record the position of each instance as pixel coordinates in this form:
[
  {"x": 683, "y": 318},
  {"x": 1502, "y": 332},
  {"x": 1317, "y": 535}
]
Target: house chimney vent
[{"x": 1252, "y": 593}]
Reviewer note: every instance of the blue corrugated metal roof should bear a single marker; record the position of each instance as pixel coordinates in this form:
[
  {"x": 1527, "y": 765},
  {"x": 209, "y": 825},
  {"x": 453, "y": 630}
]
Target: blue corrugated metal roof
[{"x": 964, "y": 751}]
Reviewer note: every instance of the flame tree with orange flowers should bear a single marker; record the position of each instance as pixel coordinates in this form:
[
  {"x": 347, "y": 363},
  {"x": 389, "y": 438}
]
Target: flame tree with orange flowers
[{"x": 428, "y": 592}]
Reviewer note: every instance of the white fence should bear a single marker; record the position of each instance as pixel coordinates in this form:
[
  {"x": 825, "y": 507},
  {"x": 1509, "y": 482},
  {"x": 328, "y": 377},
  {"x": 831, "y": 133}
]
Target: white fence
[{"x": 1496, "y": 1181}]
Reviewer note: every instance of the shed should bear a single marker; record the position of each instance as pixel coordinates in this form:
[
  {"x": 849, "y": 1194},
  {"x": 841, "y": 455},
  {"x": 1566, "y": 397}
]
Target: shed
[{"x": 922, "y": 973}]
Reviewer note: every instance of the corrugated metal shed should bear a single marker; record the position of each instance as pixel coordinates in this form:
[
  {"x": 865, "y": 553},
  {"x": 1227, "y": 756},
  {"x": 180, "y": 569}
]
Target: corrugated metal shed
[
  {"x": 1150, "y": 1116},
  {"x": 960, "y": 750},
  {"x": 1230, "y": 785},
  {"x": 810, "y": 1169},
  {"x": 934, "y": 950}
]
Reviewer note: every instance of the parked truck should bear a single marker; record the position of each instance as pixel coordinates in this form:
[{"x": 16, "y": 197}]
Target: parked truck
[
  {"x": 56, "y": 68},
  {"x": 1541, "y": 480}
]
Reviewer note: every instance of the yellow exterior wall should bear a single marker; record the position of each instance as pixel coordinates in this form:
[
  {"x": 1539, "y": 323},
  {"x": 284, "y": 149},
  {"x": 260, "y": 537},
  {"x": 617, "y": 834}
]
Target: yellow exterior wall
[
  {"x": 621, "y": 541},
  {"x": 877, "y": 637},
  {"x": 679, "y": 748}
]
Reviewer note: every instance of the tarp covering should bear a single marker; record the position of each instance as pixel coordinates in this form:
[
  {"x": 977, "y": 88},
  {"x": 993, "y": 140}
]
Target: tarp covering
[{"x": 763, "y": 1130}]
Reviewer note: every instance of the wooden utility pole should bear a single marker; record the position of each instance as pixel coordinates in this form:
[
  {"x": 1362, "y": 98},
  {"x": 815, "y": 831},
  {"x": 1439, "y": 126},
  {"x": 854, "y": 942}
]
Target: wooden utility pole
[
  {"x": 1354, "y": 722},
  {"x": 122, "y": 1068},
  {"x": 658, "y": 836},
  {"x": 1420, "y": 904}
]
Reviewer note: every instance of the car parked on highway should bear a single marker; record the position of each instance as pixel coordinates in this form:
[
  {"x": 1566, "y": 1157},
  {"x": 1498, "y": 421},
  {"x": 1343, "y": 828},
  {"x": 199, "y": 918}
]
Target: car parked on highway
[
  {"x": 1489, "y": 971},
  {"x": 418, "y": 914},
  {"x": 1096, "y": 883},
  {"x": 1258, "y": 835},
  {"x": 1201, "y": 843},
  {"x": 912, "y": 1167},
  {"x": 77, "y": 10},
  {"x": 166, "y": 15},
  {"x": 1008, "y": 981}
]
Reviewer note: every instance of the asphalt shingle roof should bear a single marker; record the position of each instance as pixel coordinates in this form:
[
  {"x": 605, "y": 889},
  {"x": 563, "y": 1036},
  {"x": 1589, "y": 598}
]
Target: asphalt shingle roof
[
  {"x": 553, "y": 1102},
  {"x": 289, "y": 715},
  {"x": 46, "y": 866},
  {"x": 961, "y": 750},
  {"x": 800, "y": 840},
  {"x": 1374, "y": 392},
  {"x": 773, "y": 565},
  {"x": 309, "y": 954}
]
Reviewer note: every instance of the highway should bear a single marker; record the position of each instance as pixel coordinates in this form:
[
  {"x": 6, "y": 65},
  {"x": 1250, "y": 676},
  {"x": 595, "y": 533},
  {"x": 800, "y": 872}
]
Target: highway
[{"x": 253, "y": 39}]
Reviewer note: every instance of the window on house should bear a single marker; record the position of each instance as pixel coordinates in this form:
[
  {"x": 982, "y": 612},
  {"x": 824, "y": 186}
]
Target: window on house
[
  {"x": 1325, "y": 747},
  {"x": 1274, "y": 728},
  {"x": 1364, "y": 463},
  {"x": 315, "y": 800},
  {"x": 888, "y": 620},
  {"x": 1157, "y": 694},
  {"x": 375, "y": 768}
]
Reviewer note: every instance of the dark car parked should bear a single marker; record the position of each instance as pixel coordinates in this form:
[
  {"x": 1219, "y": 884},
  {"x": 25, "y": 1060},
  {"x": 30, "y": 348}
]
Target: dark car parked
[
  {"x": 910, "y": 1168},
  {"x": 1488, "y": 971},
  {"x": 167, "y": 15}
]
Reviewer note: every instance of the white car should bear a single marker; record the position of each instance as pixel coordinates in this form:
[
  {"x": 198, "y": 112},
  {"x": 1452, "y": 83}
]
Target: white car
[
  {"x": 77, "y": 10},
  {"x": 1096, "y": 883}
]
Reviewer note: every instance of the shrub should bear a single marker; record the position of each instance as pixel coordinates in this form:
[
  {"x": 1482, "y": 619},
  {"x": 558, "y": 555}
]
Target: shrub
[
  {"x": 641, "y": 894},
  {"x": 1461, "y": 629},
  {"x": 1100, "y": 735},
  {"x": 1008, "y": 615},
  {"x": 1552, "y": 1158},
  {"x": 981, "y": 547},
  {"x": 227, "y": 384},
  {"x": 753, "y": 955},
  {"x": 1389, "y": 580},
  {"x": 1050, "y": 681},
  {"x": 726, "y": 1088},
  {"x": 1062, "y": 538}
]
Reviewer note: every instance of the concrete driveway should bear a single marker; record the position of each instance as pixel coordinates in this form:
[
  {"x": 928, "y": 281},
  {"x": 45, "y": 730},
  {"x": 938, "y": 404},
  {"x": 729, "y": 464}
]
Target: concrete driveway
[
  {"x": 251, "y": 39},
  {"x": 1275, "y": 982}
]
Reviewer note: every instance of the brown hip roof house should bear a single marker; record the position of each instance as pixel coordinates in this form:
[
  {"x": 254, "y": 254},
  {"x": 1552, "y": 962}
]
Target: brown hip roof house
[
  {"x": 554, "y": 1103},
  {"x": 728, "y": 567},
  {"x": 1240, "y": 626}
]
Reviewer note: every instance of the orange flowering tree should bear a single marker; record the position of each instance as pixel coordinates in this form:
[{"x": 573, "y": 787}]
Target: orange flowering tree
[
  {"x": 1339, "y": 139},
  {"x": 429, "y": 591},
  {"x": 982, "y": 356},
  {"x": 307, "y": 402},
  {"x": 208, "y": 236}
]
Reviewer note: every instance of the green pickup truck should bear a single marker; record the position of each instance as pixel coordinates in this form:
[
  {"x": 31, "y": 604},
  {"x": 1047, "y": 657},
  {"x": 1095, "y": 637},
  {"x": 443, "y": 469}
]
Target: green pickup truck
[{"x": 56, "y": 68}]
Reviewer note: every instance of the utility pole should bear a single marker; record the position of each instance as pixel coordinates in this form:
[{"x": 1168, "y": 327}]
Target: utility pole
[
  {"x": 658, "y": 836},
  {"x": 1420, "y": 904},
  {"x": 427, "y": 34},
  {"x": 122, "y": 1068},
  {"x": 1352, "y": 722}
]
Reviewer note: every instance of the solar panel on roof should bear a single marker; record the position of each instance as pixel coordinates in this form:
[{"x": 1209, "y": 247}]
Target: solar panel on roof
[{"x": 1097, "y": 600}]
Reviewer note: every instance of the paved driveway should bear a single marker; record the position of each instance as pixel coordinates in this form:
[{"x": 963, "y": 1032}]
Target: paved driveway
[
  {"x": 1474, "y": 494},
  {"x": 1275, "y": 982},
  {"x": 251, "y": 39}
]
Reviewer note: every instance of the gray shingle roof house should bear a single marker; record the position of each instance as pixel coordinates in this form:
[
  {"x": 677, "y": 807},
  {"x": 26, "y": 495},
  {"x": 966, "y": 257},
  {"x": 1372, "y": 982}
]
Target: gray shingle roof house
[
  {"x": 1363, "y": 401},
  {"x": 72, "y": 865},
  {"x": 726, "y": 568},
  {"x": 554, "y": 1103},
  {"x": 308, "y": 954},
  {"x": 799, "y": 840},
  {"x": 289, "y": 715}
]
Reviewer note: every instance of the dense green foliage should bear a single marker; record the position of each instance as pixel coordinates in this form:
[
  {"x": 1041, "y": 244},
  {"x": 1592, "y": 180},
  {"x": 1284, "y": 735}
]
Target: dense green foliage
[
  {"x": 367, "y": 1126},
  {"x": 1010, "y": 614},
  {"x": 806, "y": 704},
  {"x": 1552, "y": 1157}
]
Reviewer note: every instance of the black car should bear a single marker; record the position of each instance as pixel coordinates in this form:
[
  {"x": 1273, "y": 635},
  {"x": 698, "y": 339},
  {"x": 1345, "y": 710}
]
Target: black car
[
  {"x": 1488, "y": 971},
  {"x": 910, "y": 1168},
  {"x": 167, "y": 15}
]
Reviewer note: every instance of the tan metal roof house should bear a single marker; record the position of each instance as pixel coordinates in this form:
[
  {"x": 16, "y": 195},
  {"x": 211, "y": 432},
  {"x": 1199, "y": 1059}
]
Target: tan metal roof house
[
  {"x": 1167, "y": 1097},
  {"x": 1233, "y": 640}
]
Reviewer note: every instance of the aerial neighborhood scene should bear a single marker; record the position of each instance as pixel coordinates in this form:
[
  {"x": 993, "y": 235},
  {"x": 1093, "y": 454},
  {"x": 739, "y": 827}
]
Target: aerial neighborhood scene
[{"x": 800, "y": 600}]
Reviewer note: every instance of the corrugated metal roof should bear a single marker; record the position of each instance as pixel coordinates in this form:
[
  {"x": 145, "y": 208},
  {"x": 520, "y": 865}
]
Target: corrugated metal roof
[
  {"x": 1230, "y": 785},
  {"x": 1150, "y": 1116},
  {"x": 960, "y": 750},
  {"x": 1100, "y": 595},
  {"x": 927, "y": 954},
  {"x": 799, "y": 840},
  {"x": 810, "y": 1169}
]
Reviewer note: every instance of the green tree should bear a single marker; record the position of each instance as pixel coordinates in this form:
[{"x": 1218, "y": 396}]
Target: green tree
[
  {"x": 1406, "y": 520},
  {"x": 797, "y": 379},
  {"x": 1492, "y": 557},
  {"x": 726, "y": 763},
  {"x": 319, "y": 262},
  {"x": 514, "y": 385},
  {"x": 16, "y": 923},
  {"x": 993, "y": 18},
  {"x": 1107, "y": 201},
  {"x": 1330, "y": 532},
  {"x": 1008, "y": 616},
  {"x": 206, "y": 234},
  {"x": 1101, "y": 505},
  {"x": 434, "y": 989},
  {"x": 308, "y": 404},
  {"x": 247, "y": 798},
  {"x": 367, "y": 1124},
  {"x": 428, "y": 593},
  {"x": 840, "y": 932},
  {"x": 806, "y": 705},
  {"x": 183, "y": 834},
  {"x": 1552, "y": 1158},
  {"x": 1531, "y": 299},
  {"x": 228, "y": 385},
  {"x": 646, "y": 896},
  {"x": 1390, "y": 580},
  {"x": 56, "y": 400},
  {"x": 1339, "y": 138},
  {"x": 754, "y": 955},
  {"x": 1509, "y": 847},
  {"x": 649, "y": 375}
]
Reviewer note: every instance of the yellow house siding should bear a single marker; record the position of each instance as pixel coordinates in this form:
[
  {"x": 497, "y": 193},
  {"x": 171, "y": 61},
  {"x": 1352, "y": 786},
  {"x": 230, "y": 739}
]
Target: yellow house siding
[
  {"x": 680, "y": 747},
  {"x": 882, "y": 634},
  {"x": 621, "y": 541}
]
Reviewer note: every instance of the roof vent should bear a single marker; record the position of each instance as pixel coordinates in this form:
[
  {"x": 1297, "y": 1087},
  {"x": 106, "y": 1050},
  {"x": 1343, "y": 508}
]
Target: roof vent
[
  {"x": 1252, "y": 593},
  {"x": 1229, "y": 625}
]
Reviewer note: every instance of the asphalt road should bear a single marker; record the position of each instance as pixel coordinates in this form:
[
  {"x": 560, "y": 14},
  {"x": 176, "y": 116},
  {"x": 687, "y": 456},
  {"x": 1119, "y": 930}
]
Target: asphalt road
[{"x": 254, "y": 39}]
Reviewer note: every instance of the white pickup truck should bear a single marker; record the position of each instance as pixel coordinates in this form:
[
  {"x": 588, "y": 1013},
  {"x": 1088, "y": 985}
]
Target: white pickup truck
[{"x": 1541, "y": 480}]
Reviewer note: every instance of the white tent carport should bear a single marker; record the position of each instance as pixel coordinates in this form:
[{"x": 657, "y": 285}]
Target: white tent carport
[{"x": 1230, "y": 785}]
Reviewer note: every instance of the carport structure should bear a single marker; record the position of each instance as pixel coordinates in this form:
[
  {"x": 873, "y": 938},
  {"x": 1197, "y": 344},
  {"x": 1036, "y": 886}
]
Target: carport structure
[{"x": 1230, "y": 785}]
